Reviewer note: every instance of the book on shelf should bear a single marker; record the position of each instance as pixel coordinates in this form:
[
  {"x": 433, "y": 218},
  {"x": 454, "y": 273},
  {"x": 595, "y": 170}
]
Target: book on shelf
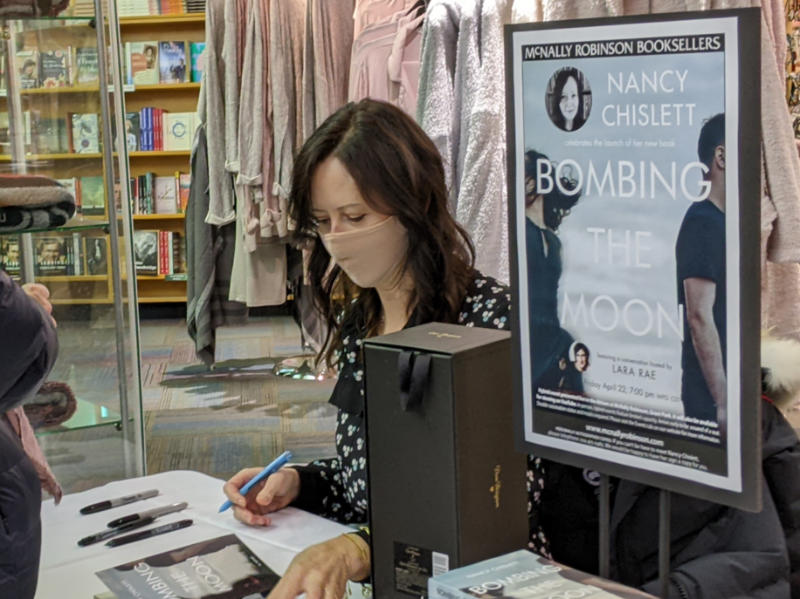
[
  {"x": 132, "y": 131},
  {"x": 92, "y": 195},
  {"x": 27, "y": 132},
  {"x": 141, "y": 59},
  {"x": 9, "y": 255},
  {"x": 217, "y": 567},
  {"x": 85, "y": 133},
  {"x": 27, "y": 64},
  {"x": 198, "y": 58},
  {"x": 145, "y": 252},
  {"x": 172, "y": 62},
  {"x": 184, "y": 188},
  {"x": 166, "y": 195},
  {"x": 87, "y": 70},
  {"x": 50, "y": 136},
  {"x": 96, "y": 253},
  {"x": 54, "y": 67},
  {"x": 178, "y": 129},
  {"x": 522, "y": 574},
  {"x": 53, "y": 255}
]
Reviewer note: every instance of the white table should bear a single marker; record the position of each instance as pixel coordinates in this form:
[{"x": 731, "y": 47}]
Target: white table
[{"x": 68, "y": 571}]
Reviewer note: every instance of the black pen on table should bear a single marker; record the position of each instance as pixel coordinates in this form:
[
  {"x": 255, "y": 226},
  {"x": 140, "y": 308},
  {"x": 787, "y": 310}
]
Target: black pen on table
[
  {"x": 150, "y": 532},
  {"x": 131, "y": 522},
  {"x": 118, "y": 501}
]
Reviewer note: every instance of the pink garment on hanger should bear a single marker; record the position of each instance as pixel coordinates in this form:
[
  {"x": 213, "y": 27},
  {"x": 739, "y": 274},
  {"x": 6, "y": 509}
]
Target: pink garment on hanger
[
  {"x": 22, "y": 426},
  {"x": 368, "y": 13}
]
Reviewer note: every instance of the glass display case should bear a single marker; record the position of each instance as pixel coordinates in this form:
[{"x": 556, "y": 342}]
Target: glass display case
[{"x": 59, "y": 115}]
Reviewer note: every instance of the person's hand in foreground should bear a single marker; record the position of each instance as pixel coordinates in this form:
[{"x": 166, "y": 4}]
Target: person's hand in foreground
[
  {"x": 322, "y": 571},
  {"x": 41, "y": 295},
  {"x": 272, "y": 494}
]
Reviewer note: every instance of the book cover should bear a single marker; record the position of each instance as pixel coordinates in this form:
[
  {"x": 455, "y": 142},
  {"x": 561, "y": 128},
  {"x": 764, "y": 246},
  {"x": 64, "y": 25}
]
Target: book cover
[
  {"x": 142, "y": 62},
  {"x": 27, "y": 63},
  {"x": 525, "y": 574},
  {"x": 87, "y": 70},
  {"x": 145, "y": 251},
  {"x": 52, "y": 256},
  {"x": 198, "y": 52},
  {"x": 78, "y": 265},
  {"x": 184, "y": 188},
  {"x": 166, "y": 192},
  {"x": 223, "y": 566},
  {"x": 54, "y": 67},
  {"x": 93, "y": 195},
  {"x": 9, "y": 255},
  {"x": 172, "y": 62},
  {"x": 178, "y": 130},
  {"x": 50, "y": 136},
  {"x": 96, "y": 252},
  {"x": 85, "y": 134},
  {"x": 132, "y": 131},
  {"x": 178, "y": 256}
]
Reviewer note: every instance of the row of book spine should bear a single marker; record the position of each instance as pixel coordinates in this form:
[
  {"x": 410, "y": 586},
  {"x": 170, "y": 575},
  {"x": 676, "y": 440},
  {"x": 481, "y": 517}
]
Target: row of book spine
[{"x": 154, "y": 194}]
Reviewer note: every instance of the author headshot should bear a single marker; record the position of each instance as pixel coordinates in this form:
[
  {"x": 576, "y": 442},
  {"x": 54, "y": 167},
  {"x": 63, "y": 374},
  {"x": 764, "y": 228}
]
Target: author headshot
[
  {"x": 580, "y": 357},
  {"x": 568, "y": 99}
]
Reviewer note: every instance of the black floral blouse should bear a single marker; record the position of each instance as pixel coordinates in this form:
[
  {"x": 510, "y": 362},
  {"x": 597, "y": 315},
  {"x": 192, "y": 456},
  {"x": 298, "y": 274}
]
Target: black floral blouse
[{"x": 336, "y": 488}]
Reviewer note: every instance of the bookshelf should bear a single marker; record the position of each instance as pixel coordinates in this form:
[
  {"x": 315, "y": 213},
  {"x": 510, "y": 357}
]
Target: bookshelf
[
  {"x": 173, "y": 97},
  {"x": 80, "y": 262},
  {"x": 61, "y": 102}
]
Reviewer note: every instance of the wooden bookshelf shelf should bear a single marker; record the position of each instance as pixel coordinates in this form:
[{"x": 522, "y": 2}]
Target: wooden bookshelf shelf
[
  {"x": 163, "y": 299},
  {"x": 70, "y": 278},
  {"x": 149, "y": 217},
  {"x": 167, "y": 87},
  {"x": 165, "y": 154},
  {"x": 148, "y": 20},
  {"x": 43, "y": 157}
]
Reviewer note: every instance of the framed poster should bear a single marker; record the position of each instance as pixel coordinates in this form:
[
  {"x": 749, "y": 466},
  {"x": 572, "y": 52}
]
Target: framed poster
[{"x": 634, "y": 165}]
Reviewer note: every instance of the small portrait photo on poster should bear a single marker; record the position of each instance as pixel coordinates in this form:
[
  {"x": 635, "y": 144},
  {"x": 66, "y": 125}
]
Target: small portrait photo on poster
[{"x": 568, "y": 99}]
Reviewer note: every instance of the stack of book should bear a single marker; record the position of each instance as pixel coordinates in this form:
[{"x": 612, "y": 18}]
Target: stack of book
[
  {"x": 159, "y": 253},
  {"x": 153, "y": 194},
  {"x": 194, "y": 5},
  {"x": 151, "y": 63},
  {"x": 66, "y": 67},
  {"x": 155, "y": 129},
  {"x": 138, "y": 8},
  {"x": 70, "y": 254}
]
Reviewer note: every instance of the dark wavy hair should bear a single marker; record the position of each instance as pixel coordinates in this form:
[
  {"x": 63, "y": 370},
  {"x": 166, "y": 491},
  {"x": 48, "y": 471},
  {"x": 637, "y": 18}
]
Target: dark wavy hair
[
  {"x": 558, "y": 89},
  {"x": 556, "y": 203},
  {"x": 398, "y": 171},
  {"x": 582, "y": 346}
]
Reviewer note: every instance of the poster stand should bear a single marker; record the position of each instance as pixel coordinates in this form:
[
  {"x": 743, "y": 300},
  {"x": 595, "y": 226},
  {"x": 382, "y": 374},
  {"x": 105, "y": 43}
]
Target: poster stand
[{"x": 592, "y": 114}]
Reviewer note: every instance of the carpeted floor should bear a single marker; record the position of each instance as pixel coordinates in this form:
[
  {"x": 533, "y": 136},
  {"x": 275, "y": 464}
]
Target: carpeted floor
[{"x": 215, "y": 421}]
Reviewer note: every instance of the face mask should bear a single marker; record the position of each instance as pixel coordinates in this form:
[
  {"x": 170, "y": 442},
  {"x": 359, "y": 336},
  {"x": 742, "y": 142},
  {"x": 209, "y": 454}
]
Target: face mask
[{"x": 371, "y": 257}]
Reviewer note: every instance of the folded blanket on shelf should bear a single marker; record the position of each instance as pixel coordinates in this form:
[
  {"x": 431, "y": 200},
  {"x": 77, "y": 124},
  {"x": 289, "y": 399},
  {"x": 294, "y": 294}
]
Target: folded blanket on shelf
[{"x": 33, "y": 202}]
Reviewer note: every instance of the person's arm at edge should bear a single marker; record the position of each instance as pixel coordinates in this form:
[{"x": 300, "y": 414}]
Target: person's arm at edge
[{"x": 700, "y": 294}]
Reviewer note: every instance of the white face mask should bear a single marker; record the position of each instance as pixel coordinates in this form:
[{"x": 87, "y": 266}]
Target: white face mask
[{"x": 373, "y": 256}]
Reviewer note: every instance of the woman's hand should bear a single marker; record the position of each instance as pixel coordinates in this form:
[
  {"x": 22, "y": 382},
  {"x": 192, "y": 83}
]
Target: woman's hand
[
  {"x": 274, "y": 493},
  {"x": 322, "y": 571}
]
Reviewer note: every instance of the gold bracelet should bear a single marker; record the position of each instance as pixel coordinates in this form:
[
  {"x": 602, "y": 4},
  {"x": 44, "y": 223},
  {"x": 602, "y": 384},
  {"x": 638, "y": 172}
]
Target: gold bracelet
[{"x": 361, "y": 551}]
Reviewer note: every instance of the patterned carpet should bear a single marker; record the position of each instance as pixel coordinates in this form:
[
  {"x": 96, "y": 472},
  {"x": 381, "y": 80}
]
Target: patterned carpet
[{"x": 215, "y": 421}]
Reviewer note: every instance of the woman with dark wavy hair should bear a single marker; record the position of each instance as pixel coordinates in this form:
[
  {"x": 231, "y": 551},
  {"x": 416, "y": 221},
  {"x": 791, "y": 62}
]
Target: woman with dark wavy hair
[
  {"x": 544, "y": 213},
  {"x": 567, "y": 112},
  {"x": 369, "y": 199}
]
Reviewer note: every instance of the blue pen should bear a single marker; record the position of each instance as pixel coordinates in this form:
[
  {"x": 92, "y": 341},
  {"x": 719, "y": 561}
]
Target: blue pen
[{"x": 273, "y": 467}]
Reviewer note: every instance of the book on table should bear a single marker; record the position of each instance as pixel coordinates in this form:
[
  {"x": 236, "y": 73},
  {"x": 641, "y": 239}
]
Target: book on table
[{"x": 223, "y": 567}]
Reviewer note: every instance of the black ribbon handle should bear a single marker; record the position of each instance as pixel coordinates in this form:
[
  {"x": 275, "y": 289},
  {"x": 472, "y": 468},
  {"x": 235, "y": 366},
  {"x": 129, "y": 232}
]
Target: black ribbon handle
[{"x": 413, "y": 370}]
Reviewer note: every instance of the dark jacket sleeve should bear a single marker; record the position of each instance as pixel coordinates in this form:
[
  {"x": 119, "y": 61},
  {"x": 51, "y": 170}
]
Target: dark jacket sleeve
[
  {"x": 29, "y": 346},
  {"x": 781, "y": 452},
  {"x": 322, "y": 490},
  {"x": 739, "y": 555}
]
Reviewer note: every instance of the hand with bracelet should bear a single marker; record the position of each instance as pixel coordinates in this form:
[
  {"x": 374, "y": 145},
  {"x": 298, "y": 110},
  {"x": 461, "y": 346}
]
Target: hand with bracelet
[{"x": 322, "y": 570}]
